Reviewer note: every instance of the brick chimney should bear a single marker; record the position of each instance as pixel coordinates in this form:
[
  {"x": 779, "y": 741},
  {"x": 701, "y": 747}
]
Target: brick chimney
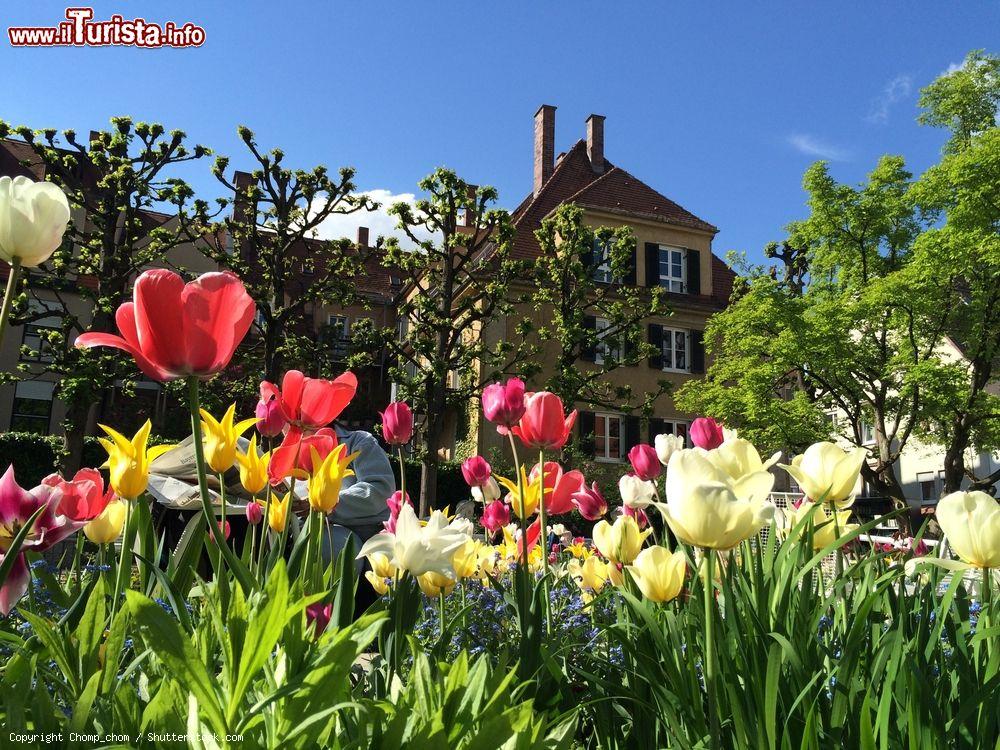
[
  {"x": 362, "y": 237},
  {"x": 595, "y": 142},
  {"x": 545, "y": 145}
]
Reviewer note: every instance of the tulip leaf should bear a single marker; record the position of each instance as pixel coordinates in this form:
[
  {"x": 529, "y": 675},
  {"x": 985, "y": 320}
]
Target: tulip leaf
[{"x": 14, "y": 548}]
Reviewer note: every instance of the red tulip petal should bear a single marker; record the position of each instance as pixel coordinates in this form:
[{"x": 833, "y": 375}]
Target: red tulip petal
[
  {"x": 158, "y": 320},
  {"x": 291, "y": 394},
  {"x": 324, "y": 400},
  {"x": 217, "y": 313},
  {"x": 284, "y": 456}
]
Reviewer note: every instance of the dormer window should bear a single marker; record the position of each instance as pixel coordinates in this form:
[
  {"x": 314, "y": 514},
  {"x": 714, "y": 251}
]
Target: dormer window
[
  {"x": 602, "y": 262},
  {"x": 673, "y": 269}
]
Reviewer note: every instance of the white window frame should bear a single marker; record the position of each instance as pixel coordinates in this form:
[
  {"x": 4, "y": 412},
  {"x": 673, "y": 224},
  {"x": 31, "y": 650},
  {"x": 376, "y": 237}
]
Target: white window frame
[
  {"x": 604, "y": 347},
  {"x": 867, "y": 432},
  {"x": 602, "y": 269},
  {"x": 339, "y": 344},
  {"x": 672, "y": 282},
  {"x": 602, "y": 430},
  {"x": 670, "y": 360},
  {"x": 41, "y": 391},
  {"x": 671, "y": 426}
]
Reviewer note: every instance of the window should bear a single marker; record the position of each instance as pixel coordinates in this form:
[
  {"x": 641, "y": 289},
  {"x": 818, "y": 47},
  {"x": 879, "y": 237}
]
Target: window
[
  {"x": 676, "y": 344},
  {"x": 928, "y": 486},
  {"x": 676, "y": 427},
  {"x": 607, "y": 347},
  {"x": 672, "y": 269},
  {"x": 32, "y": 407},
  {"x": 608, "y": 437},
  {"x": 34, "y": 333},
  {"x": 602, "y": 262},
  {"x": 402, "y": 328},
  {"x": 867, "y": 432},
  {"x": 339, "y": 332}
]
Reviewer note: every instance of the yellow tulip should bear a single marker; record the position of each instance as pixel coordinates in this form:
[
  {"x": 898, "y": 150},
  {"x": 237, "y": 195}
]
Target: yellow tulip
[
  {"x": 327, "y": 477},
  {"x": 434, "y": 584},
  {"x": 827, "y": 473},
  {"x": 277, "y": 513},
  {"x": 659, "y": 573},
  {"x": 379, "y": 583},
  {"x": 579, "y": 550},
  {"x": 488, "y": 562},
  {"x": 128, "y": 460},
  {"x": 971, "y": 522},
  {"x": 738, "y": 458},
  {"x": 220, "y": 438},
  {"x": 381, "y": 565},
  {"x": 825, "y": 526},
  {"x": 466, "y": 559},
  {"x": 528, "y": 507},
  {"x": 620, "y": 542},
  {"x": 253, "y": 468},
  {"x": 707, "y": 507},
  {"x": 108, "y": 526},
  {"x": 589, "y": 575}
]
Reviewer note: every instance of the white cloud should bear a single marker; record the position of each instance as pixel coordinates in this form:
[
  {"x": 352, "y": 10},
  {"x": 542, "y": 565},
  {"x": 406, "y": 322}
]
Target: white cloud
[
  {"x": 812, "y": 146},
  {"x": 953, "y": 68},
  {"x": 894, "y": 92},
  {"x": 379, "y": 222}
]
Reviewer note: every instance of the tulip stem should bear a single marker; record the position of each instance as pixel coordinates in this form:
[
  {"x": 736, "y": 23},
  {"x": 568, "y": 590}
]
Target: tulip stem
[
  {"x": 8, "y": 297},
  {"x": 713, "y": 717},
  {"x": 522, "y": 548},
  {"x": 402, "y": 476},
  {"x": 543, "y": 538},
  {"x": 124, "y": 559}
]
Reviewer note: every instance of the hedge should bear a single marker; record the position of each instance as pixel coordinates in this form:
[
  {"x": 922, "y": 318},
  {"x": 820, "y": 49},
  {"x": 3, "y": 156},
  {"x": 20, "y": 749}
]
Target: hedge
[{"x": 37, "y": 456}]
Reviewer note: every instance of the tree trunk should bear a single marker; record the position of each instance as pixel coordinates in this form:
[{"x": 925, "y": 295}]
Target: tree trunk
[
  {"x": 954, "y": 457},
  {"x": 79, "y": 417}
]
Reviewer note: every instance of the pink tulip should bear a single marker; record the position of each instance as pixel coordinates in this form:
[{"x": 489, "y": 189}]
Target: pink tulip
[
  {"x": 496, "y": 515},
  {"x": 503, "y": 404},
  {"x": 173, "y": 329},
  {"x": 706, "y": 433},
  {"x": 318, "y": 615},
  {"x": 255, "y": 513},
  {"x": 17, "y": 505},
  {"x": 476, "y": 471},
  {"x": 638, "y": 514},
  {"x": 82, "y": 498},
  {"x": 397, "y": 423},
  {"x": 225, "y": 531},
  {"x": 544, "y": 425},
  {"x": 395, "y": 503},
  {"x": 590, "y": 502},
  {"x": 562, "y": 485},
  {"x": 645, "y": 462},
  {"x": 271, "y": 420}
]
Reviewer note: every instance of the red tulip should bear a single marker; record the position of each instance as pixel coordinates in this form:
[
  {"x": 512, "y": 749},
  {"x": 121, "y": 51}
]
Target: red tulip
[
  {"x": 397, "y": 423},
  {"x": 255, "y": 512},
  {"x": 318, "y": 615},
  {"x": 590, "y": 502},
  {"x": 544, "y": 424},
  {"x": 225, "y": 531},
  {"x": 271, "y": 420},
  {"x": 295, "y": 452},
  {"x": 496, "y": 515},
  {"x": 503, "y": 403},
  {"x": 174, "y": 330},
  {"x": 706, "y": 433},
  {"x": 82, "y": 498},
  {"x": 645, "y": 462},
  {"x": 534, "y": 532},
  {"x": 562, "y": 486},
  {"x": 476, "y": 471},
  {"x": 311, "y": 403},
  {"x": 638, "y": 514}
]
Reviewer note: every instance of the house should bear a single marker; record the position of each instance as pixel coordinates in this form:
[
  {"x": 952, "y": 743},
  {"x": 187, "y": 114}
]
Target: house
[{"x": 673, "y": 250}]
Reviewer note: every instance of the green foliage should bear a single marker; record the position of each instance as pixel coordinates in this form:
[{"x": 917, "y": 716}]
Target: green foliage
[{"x": 965, "y": 101}]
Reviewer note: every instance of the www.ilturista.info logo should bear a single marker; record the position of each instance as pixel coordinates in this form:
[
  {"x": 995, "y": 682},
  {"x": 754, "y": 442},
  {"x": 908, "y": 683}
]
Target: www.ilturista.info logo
[{"x": 80, "y": 30}]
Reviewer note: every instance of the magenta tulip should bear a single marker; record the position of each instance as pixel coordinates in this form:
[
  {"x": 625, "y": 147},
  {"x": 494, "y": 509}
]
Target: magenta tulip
[
  {"x": 645, "y": 462},
  {"x": 255, "y": 513},
  {"x": 395, "y": 503},
  {"x": 544, "y": 425},
  {"x": 271, "y": 420},
  {"x": 638, "y": 514},
  {"x": 318, "y": 615},
  {"x": 476, "y": 471},
  {"x": 503, "y": 404},
  {"x": 496, "y": 515},
  {"x": 706, "y": 433},
  {"x": 590, "y": 502},
  {"x": 397, "y": 423}
]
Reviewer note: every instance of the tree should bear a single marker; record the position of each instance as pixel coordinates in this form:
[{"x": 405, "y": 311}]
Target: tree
[
  {"x": 957, "y": 262},
  {"x": 586, "y": 295},
  {"x": 456, "y": 284},
  {"x": 837, "y": 331},
  {"x": 118, "y": 184},
  {"x": 288, "y": 270}
]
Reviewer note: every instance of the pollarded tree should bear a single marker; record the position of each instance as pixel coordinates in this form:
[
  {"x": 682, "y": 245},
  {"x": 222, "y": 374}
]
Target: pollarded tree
[
  {"x": 130, "y": 211},
  {"x": 271, "y": 241},
  {"x": 456, "y": 283},
  {"x": 591, "y": 309}
]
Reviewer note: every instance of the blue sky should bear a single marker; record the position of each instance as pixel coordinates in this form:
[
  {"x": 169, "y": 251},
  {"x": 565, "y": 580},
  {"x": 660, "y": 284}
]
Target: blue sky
[{"x": 721, "y": 106}]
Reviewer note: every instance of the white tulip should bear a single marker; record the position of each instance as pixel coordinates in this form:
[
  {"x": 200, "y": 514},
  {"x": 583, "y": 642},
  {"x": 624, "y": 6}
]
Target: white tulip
[
  {"x": 636, "y": 493},
  {"x": 706, "y": 507},
  {"x": 666, "y": 445},
  {"x": 487, "y": 493},
  {"x": 738, "y": 458},
  {"x": 33, "y": 219},
  {"x": 827, "y": 473},
  {"x": 416, "y": 548}
]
